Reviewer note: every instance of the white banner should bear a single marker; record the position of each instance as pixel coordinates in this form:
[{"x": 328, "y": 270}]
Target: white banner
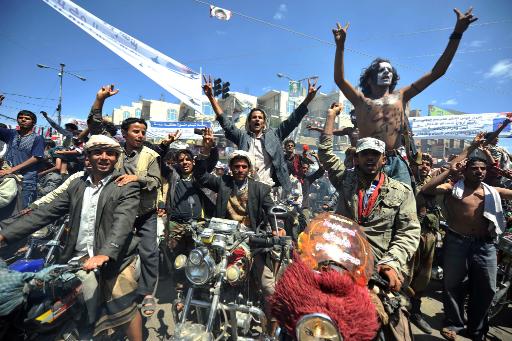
[
  {"x": 173, "y": 76},
  {"x": 457, "y": 126}
]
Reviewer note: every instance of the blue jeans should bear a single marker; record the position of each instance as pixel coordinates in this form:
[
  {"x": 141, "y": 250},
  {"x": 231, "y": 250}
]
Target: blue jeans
[
  {"x": 476, "y": 260},
  {"x": 29, "y": 192},
  {"x": 396, "y": 168}
]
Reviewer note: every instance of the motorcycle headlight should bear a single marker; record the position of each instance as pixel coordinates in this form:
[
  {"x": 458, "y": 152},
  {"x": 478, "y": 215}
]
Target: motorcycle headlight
[
  {"x": 180, "y": 262},
  {"x": 200, "y": 267},
  {"x": 317, "y": 327},
  {"x": 195, "y": 257}
]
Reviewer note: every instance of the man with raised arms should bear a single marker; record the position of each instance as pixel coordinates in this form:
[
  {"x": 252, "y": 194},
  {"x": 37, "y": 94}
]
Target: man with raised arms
[{"x": 378, "y": 107}]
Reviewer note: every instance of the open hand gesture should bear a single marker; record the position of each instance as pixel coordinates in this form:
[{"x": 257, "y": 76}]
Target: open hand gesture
[
  {"x": 105, "y": 92},
  {"x": 312, "y": 90},
  {"x": 207, "y": 86},
  {"x": 340, "y": 34},
  {"x": 463, "y": 20}
]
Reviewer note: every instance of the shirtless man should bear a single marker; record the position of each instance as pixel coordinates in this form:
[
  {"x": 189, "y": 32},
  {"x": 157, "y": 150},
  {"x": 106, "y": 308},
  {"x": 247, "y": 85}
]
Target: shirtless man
[
  {"x": 469, "y": 249},
  {"x": 379, "y": 109}
]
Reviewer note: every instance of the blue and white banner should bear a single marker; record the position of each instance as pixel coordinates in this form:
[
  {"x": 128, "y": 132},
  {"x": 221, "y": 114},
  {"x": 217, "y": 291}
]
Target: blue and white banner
[
  {"x": 160, "y": 129},
  {"x": 457, "y": 126},
  {"x": 170, "y": 74}
]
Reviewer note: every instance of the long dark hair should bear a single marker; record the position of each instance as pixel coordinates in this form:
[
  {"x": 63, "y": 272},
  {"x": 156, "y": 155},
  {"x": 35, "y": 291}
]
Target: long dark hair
[{"x": 371, "y": 73}]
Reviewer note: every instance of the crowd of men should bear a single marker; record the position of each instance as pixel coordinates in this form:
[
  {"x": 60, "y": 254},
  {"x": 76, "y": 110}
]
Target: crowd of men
[{"x": 113, "y": 187}]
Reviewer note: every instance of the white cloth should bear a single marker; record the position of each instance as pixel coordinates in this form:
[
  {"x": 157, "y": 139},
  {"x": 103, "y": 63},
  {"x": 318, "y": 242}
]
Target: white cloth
[
  {"x": 493, "y": 211},
  {"x": 85, "y": 240},
  {"x": 261, "y": 160},
  {"x": 8, "y": 191}
]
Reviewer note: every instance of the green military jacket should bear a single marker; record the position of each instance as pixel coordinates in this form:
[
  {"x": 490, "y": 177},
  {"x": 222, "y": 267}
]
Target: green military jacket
[{"x": 392, "y": 228}]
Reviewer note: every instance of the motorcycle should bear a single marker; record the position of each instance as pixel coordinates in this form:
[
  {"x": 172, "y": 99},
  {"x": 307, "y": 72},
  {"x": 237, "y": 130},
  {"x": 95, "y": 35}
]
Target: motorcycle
[
  {"x": 220, "y": 300},
  {"x": 332, "y": 290},
  {"x": 44, "y": 244},
  {"x": 503, "y": 296},
  {"x": 49, "y": 304}
]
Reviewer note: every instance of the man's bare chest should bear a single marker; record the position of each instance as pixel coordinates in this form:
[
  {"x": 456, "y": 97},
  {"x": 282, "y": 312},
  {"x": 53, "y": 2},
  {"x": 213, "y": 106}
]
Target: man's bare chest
[{"x": 388, "y": 109}]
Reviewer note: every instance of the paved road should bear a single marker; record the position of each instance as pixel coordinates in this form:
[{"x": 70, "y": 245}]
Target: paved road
[{"x": 161, "y": 325}]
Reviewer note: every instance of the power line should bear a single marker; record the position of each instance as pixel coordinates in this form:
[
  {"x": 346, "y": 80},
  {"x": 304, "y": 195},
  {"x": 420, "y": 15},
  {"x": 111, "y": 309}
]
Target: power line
[
  {"x": 34, "y": 104},
  {"x": 26, "y": 96},
  {"x": 7, "y": 117},
  {"x": 459, "y": 52},
  {"x": 366, "y": 54}
]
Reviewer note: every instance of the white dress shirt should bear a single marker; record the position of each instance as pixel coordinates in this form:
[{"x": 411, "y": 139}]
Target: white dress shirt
[{"x": 85, "y": 241}]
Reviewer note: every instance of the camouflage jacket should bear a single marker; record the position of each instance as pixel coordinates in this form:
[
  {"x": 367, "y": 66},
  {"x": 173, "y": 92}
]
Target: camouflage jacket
[{"x": 392, "y": 227}]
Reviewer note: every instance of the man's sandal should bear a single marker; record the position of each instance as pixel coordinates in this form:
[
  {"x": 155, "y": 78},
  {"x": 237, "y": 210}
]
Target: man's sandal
[
  {"x": 449, "y": 334},
  {"x": 148, "y": 306}
]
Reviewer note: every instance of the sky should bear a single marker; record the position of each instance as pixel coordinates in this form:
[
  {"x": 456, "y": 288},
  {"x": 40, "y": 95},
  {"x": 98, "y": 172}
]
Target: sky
[{"x": 250, "y": 49}]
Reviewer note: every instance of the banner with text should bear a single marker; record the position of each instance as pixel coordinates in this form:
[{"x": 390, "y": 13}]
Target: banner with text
[
  {"x": 160, "y": 129},
  {"x": 457, "y": 126},
  {"x": 170, "y": 74}
]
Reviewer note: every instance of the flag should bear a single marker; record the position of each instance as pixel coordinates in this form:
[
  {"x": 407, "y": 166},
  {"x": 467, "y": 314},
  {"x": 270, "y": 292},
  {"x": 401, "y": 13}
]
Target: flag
[
  {"x": 220, "y": 13},
  {"x": 178, "y": 79}
]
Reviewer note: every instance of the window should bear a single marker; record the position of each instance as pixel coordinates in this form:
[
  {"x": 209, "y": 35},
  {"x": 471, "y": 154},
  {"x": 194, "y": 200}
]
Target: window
[
  {"x": 126, "y": 114},
  {"x": 172, "y": 115},
  {"x": 138, "y": 113},
  {"x": 207, "y": 109},
  {"x": 291, "y": 106},
  {"x": 276, "y": 104}
]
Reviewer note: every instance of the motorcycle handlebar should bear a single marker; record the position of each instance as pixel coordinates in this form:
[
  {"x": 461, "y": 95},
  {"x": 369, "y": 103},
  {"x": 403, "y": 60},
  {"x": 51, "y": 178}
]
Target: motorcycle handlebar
[{"x": 255, "y": 241}]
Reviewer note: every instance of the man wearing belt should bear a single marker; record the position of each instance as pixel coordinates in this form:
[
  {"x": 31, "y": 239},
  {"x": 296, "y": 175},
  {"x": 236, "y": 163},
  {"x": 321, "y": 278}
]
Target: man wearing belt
[
  {"x": 475, "y": 219},
  {"x": 379, "y": 110}
]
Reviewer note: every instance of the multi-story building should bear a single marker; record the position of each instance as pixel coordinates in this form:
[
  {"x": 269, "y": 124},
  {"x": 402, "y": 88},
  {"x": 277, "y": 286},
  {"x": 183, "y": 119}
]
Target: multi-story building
[{"x": 277, "y": 104}]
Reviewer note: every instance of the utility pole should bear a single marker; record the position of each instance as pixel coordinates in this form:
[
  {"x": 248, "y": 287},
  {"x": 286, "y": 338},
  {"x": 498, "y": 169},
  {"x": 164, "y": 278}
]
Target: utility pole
[
  {"x": 59, "y": 106},
  {"x": 61, "y": 76}
]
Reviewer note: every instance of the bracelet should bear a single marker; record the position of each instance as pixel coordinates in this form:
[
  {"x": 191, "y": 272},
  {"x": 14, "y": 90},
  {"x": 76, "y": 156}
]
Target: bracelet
[{"x": 455, "y": 35}]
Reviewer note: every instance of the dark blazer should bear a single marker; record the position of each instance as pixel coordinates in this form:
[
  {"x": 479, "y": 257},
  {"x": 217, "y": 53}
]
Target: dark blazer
[
  {"x": 115, "y": 216},
  {"x": 259, "y": 201}
]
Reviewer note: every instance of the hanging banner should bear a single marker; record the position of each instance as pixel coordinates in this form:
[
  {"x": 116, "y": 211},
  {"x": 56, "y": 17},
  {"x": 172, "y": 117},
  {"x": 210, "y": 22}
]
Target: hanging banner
[
  {"x": 160, "y": 129},
  {"x": 458, "y": 126},
  {"x": 173, "y": 76},
  {"x": 294, "y": 89}
]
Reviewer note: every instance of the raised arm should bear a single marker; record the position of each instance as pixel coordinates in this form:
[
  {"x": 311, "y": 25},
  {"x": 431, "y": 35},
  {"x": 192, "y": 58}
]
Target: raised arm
[
  {"x": 201, "y": 174},
  {"x": 438, "y": 185},
  {"x": 232, "y": 133},
  {"x": 55, "y": 126},
  {"x": 463, "y": 22},
  {"x": 330, "y": 161},
  {"x": 293, "y": 121},
  {"x": 340, "y": 34},
  {"x": 95, "y": 119}
]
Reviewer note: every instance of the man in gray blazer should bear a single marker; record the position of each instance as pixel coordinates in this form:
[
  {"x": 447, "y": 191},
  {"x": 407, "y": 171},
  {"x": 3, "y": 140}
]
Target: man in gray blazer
[{"x": 101, "y": 221}]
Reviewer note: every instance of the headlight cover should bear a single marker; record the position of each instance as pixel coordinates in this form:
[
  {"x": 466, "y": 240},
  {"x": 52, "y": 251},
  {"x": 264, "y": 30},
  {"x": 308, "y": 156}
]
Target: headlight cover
[
  {"x": 200, "y": 267},
  {"x": 317, "y": 327}
]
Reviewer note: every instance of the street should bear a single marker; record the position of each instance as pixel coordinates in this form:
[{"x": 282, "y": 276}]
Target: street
[{"x": 161, "y": 325}]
